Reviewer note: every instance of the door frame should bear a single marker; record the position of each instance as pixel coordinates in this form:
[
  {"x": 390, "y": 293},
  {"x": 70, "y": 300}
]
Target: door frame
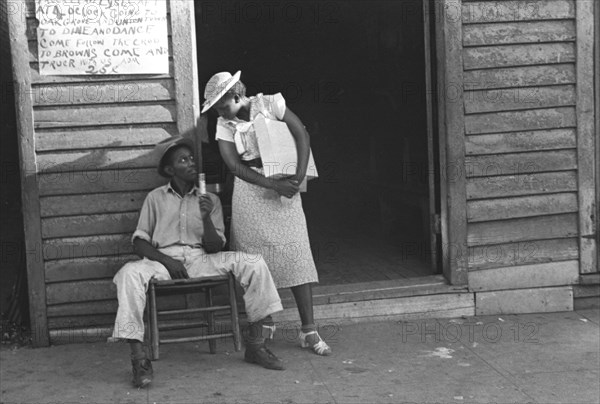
[
  {"x": 451, "y": 137},
  {"x": 446, "y": 115}
]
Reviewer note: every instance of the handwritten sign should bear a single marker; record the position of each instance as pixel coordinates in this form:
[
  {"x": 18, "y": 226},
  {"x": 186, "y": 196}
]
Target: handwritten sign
[{"x": 102, "y": 37}]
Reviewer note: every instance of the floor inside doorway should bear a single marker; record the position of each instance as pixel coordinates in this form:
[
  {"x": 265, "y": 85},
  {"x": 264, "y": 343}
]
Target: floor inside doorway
[{"x": 350, "y": 258}]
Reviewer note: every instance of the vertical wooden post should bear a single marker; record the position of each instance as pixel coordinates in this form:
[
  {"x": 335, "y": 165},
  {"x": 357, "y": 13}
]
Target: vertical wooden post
[
  {"x": 183, "y": 28},
  {"x": 585, "y": 136},
  {"x": 29, "y": 185},
  {"x": 452, "y": 140}
]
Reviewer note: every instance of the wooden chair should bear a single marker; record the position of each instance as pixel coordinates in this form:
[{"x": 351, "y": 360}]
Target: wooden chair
[{"x": 185, "y": 286}]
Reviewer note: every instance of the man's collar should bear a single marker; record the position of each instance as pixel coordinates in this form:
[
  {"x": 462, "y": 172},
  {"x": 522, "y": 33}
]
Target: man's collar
[{"x": 169, "y": 188}]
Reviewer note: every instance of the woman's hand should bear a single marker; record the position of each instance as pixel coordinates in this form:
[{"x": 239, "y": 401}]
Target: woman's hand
[{"x": 286, "y": 187}]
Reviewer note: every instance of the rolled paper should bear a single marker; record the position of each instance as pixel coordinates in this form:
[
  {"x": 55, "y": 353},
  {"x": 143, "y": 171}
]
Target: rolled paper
[{"x": 202, "y": 183}]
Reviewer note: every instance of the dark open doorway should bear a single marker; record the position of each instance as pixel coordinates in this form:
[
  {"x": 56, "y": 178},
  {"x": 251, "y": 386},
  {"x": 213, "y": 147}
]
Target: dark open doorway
[{"x": 354, "y": 71}]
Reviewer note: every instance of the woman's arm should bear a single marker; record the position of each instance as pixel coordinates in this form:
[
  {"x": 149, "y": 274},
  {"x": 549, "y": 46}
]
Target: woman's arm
[
  {"x": 229, "y": 153},
  {"x": 302, "y": 139}
]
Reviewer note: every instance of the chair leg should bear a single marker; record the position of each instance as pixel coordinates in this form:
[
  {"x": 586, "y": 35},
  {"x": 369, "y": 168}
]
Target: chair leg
[
  {"x": 235, "y": 323},
  {"x": 153, "y": 322},
  {"x": 210, "y": 319}
]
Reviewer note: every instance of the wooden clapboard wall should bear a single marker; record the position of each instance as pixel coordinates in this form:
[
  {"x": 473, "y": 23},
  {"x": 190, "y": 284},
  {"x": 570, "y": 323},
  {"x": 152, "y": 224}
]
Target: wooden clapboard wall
[
  {"x": 86, "y": 143},
  {"x": 523, "y": 125}
]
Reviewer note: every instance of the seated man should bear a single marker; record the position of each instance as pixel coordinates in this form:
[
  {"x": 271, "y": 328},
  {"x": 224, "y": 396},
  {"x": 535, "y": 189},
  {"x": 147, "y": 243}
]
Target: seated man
[{"x": 180, "y": 235}]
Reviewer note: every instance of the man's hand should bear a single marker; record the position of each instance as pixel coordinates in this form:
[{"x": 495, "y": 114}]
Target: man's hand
[
  {"x": 176, "y": 269},
  {"x": 206, "y": 206}
]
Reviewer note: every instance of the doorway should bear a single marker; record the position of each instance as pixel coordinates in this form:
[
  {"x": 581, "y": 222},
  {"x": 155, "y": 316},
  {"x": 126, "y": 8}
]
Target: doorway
[{"x": 355, "y": 73}]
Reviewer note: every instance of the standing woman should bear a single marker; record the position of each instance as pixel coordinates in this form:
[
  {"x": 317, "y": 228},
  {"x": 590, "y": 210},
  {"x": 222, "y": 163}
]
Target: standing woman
[{"x": 261, "y": 221}]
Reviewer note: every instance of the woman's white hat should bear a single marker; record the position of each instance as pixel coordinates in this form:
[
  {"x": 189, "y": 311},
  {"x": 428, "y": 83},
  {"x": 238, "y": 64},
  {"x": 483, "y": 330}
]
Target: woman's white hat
[{"x": 217, "y": 86}]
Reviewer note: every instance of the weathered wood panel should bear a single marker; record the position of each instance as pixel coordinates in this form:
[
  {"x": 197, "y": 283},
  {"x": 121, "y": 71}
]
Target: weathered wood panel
[
  {"x": 89, "y": 225},
  {"x": 85, "y": 268},
  {"x": 518, "y": 32},
  {"x": 522, "y": 253},
  {"x": 92, "y": 203},
  {"x": 531, "y": 10},
  {"x": 525, "y": 276},
  {"x": 516, "y": 185},
  {"x": 518, "y": 55},
  {"x": 520, "y": 163},
  {"x": 81, "y": 329},
  {"x": 522, "y": 76},
  {"x": 37, "y": 78},
  {"x": 69, "y": 248},
  {"x": 522, "y": 229},
  {"x": 509, "y": 208},
  {"x": 508, "y": 99},
  {"x": 29, "y": 189},
  {"x": 516, "y": 142},
  {"x": 110, "y": 114},
  {"x": 102, "y": 93},
  {"x": 587, "y": 137},
  {"x": 83, "y": 291},
  {"x": 77, "y": 182},
  {"x": 94, "y": 138},
  {"x": 539, "y": 300},
  {"x": 430, "y": 306},
  {"x": 95, "y": 159},
  {"x": 108, "y": 307},
  {"x": 498, "y": 122}
]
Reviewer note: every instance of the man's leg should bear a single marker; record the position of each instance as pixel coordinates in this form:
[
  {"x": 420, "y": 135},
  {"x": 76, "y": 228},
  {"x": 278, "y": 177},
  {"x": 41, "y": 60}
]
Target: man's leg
[
  {"x": 260, "y": 297},
  {"x": 132, "y": 283}
]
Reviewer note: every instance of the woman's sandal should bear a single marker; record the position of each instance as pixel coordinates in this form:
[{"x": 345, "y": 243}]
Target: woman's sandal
[{"x": 320, "y": 347}]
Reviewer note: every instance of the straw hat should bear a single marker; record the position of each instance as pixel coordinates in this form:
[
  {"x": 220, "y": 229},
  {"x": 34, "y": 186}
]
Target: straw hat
[
  {"x": 217, "y": 86},
  {"x": 161, "y": 149}
]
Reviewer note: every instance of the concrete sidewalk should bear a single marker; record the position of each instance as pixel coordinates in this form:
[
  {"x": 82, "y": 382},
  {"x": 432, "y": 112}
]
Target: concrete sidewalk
[{"x": 533, "y": 358}]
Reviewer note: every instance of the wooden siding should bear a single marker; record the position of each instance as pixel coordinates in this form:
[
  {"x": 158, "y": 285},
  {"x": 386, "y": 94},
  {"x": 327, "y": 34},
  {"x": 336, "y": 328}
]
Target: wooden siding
[
  {"x": 93, "y": 137},
  {"x": 522, "y": 162}
]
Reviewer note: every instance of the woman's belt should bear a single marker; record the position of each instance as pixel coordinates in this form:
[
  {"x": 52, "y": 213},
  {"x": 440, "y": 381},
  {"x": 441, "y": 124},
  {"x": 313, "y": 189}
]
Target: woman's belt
[{"x": 257, "y": 163}]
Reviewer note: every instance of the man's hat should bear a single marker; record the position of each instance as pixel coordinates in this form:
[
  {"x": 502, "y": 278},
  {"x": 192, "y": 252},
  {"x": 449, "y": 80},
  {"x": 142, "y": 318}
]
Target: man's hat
[
  {"x": 217, "y": 86},
  {"x": 161, "y": 149}
]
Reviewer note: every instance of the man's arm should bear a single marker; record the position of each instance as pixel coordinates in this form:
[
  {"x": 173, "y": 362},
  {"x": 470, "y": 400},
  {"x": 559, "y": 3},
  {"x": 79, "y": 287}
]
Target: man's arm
[{"x": 211, "y": 239}]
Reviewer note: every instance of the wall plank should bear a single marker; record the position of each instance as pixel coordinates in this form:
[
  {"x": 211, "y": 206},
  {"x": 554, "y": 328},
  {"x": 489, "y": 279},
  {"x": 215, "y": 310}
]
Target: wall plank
[
  {"x": 81, "y": 291},
  {"x": 522, "y": 76},
  {"x": 498, "y": 122},
  {"x": 525, "y": 276},
  {"x": 538, "y": 300},
  {"x": 94, "y": 138},
  {"x": 518, "y": 55},
  {"x": 102, "y": 93},
  {"x": 85, "y": 268},
  {"x": 92, "y": 203},
  {"x": 37, "y": 78},
  {"x": 111, "y": 114},
  {"x": 69, "y": 248},
  {"x": 520, "y": 163},
  {"x": 524, "y": 206},
  {"x": 516, "y": 185},
  {"x": 519, "y": 98},
  {"x": 531, "y": 10},
  {"x": 518, "y": 32},
  {"x": 515, "y": 142},
  {"x": 96, "y": 159},
  {"x": 522, "y": 229},
  {"x": 77, "y": 182},
  {"x": 89, "y": 225},
  {"x": 108, "y": 307},
  {"x": 522, "y": 253}
]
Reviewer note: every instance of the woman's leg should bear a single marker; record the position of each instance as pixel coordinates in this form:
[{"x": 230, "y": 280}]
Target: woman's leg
[
  {"x": 309, "y": 337},
  {"x": 303, "y": 297}
]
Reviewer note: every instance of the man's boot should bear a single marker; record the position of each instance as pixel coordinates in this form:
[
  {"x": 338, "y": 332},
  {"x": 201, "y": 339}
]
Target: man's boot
[{"x": 256, "y": 349}]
